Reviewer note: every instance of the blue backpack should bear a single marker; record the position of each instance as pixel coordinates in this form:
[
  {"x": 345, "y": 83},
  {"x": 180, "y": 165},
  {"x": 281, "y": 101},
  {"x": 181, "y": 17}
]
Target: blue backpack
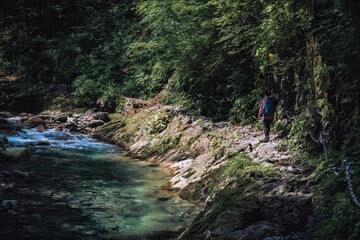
[{"x": 269, "y": 106}]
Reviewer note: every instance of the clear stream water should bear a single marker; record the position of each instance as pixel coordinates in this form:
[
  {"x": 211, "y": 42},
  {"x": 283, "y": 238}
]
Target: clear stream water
[{"x": 91, "y": 190}]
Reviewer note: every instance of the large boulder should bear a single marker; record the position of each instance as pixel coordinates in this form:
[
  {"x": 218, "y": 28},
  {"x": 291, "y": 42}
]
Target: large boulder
[
  {"x": 9, "y": 204},
  {"x": 104, "y": 116},
  {"x": 15, "y": 154},
  {"x": 43, "y": 117},
  {"x": 40, "y": 128},
  {"x": 72, "y": 127},
  {"x": 24, "y": 115},
  {"x": 23, "y": 119},
  {"x": 94, "y": 123},
  {"x": 260, "y": 231},
  {"x": 7, "y": 128},
  {"x": 61, "y": 118},
  {"x": 36, "y": 121},
  {"x": 5, "y": 115}
]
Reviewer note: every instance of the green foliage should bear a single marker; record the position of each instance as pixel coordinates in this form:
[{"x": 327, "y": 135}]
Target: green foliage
[
  {"x": 342, "y": 216},
  {"x": 195, "y": 41},
  {"x": 245, "y": 108},
  {"x": 175, "y": 98},
  {"x": 87, "y": 92},
  {"x": 111, "y": 98},
  {"x": 159, "y": 123},
  {"x": 59, "y": 103},
  {"x": 237, "y": 168}
]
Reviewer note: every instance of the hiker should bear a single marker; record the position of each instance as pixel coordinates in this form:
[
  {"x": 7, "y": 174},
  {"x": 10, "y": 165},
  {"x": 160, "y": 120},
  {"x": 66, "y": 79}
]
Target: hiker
[{"x": 267, "y": 111}]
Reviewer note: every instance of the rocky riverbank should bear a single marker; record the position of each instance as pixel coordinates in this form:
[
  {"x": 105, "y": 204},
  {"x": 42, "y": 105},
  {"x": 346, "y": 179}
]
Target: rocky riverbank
[{"x": 251, "y": 190}]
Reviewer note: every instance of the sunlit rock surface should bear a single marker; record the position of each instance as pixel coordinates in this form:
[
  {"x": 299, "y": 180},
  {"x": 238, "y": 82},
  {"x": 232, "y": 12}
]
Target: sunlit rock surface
[{"x": 272, "y": 198}]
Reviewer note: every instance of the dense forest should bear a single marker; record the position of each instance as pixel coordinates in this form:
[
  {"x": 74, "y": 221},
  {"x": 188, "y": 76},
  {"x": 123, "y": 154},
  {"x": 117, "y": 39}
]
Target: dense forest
[{"x": 213, "y": 57}]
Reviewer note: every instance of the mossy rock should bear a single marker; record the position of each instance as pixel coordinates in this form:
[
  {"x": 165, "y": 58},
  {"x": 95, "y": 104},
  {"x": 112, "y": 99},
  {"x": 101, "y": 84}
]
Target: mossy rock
[{"x": 15, "y": 154}]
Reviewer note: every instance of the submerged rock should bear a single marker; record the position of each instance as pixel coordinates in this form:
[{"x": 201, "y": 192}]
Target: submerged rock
[
  {"x": 15, "y": 153},
  {"x": 3, "y": 142},
  {"x": 7, "y": 128},
  {"x": 43, "y": 143},
  {"x": 9, "y": 204},
  {"x": 63, "y": 137}
]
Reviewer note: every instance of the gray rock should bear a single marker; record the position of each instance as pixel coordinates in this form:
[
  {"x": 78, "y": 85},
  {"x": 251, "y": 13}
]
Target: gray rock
[
  {"x": 299, "y": 236},
  {"x": 21, "y": 174},
  {"x": 186, "y": 120},
  {"x": 234, "y": 219},
  {"x": 260, "y": 231},
  {"x": 15, "y": 153},
  {"x": 61, "y": 119},
  {"x": 9, "y": 204},
  {"x": 207, "y": 234},
  {"x": 294, "y": 217},
  {"x": 90, "y": 232},
  {"x": 43, "y": 117},
  {"x": 72, "y": 127},
  {"x": 103, "y": 116},
  {"x": 94, "y": 123},
  {"x": 59, "y": 128},
  {"x": 64, "y": 137},
  {"x": 23, "y": 115},
  {"x": 69, "y": 125},
  {"x": 5, "y": 115},
  {"x": 36, "y": 121},
  {"x": 12, "y": 212},
  {"x": 40, "y": 128},
  {"x": 37, "y": 216}
]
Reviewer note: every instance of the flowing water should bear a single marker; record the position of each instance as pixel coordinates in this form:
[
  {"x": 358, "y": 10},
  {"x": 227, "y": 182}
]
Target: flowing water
[{"x": 79, "y": 188}]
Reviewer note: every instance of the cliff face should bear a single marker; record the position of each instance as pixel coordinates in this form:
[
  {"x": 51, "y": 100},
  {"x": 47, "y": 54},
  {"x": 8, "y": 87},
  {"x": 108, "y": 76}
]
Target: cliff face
[{"x": 251, "y": 190}]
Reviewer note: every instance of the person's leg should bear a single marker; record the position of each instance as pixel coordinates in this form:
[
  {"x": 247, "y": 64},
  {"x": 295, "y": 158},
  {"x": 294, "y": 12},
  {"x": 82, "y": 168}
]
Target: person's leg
[
  {"x": 265, "y": 129},
  {"x": 267, "y": 124}
]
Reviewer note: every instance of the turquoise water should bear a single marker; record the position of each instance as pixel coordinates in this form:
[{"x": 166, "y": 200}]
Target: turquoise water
[{"x": 91, "y": 190}]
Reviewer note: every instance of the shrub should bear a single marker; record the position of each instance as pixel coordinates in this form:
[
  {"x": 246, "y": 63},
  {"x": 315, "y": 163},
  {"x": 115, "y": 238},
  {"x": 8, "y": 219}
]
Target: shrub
[
  {"x": 245, "y": 108},
  {"x": 111, "y": 99},
  {"x": 86, "y": 92}
]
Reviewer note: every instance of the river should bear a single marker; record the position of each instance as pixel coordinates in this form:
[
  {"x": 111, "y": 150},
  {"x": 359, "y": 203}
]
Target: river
[{"x": 75, "y": 187}]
